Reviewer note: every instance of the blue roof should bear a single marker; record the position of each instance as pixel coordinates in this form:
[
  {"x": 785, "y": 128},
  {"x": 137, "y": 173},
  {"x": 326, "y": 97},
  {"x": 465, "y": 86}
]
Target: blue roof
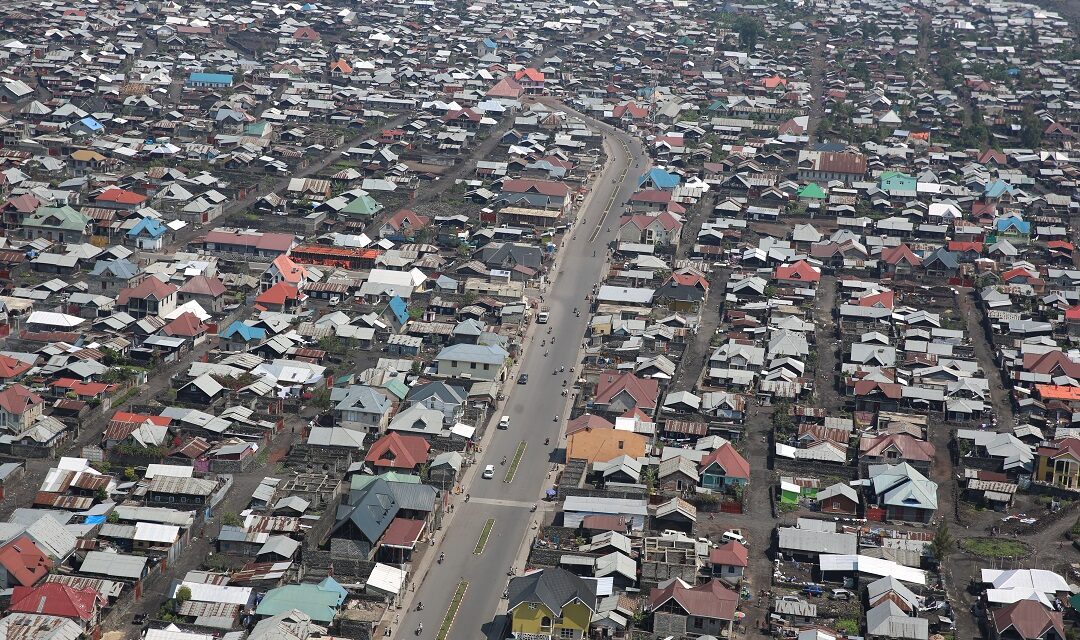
[
  {"x": 94, "y": 520},
  {"x": 152, "y": 226},
  {"x": 998, "y": 188},
  {"x": 1003, "y": 224},
  {"x": 247, "y": 332},
  {"x": 91, "y": 124},
  {"x": 662, "y": 179},
  {"x": 401, "y": 312},
  {"x": 489, "y": 44},
  {"x": 211, "y": 78}
]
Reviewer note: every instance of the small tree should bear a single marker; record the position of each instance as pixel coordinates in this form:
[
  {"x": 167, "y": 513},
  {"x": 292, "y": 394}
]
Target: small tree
[
  {"x": 183, "y": 594},
  {"x": 943, "y": 542},
  {"x": 231, "y": 519},
  {"x": 129, "y": 473},
  {"x": 113, "y": 517}
]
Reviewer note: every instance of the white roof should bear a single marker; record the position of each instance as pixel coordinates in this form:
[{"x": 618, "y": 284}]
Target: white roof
[
  {"x": 172, "y": 632},
  {"x": 153, "y": 532},
  {"x": 873, "y": 566},
  {"x": 1038, "y": 579},
  {"x": 190, "y": 306},
  {"x": 386, "y": 578},
  {"x": 217, "y": 593},
  {"x": 171, "y": 470},
  {"x": 54, "y": 319}
]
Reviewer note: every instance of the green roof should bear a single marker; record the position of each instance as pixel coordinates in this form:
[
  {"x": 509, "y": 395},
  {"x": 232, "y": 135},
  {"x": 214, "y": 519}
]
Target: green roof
[
  {"x": 812, "y": 190},
  {"x": 397, "y": 387},
  {"x": 360, "y": 481},
  {"x": 64, "y": 218},
  {"x": 365, "y": 205},
  {"x": 319, "y": 601}
]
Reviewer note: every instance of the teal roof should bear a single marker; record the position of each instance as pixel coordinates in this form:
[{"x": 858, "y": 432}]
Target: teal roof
[
  {"x": 397, "y": 387},
  {"x": 319, "y": 601},
  {"x": 364, "y": 205},
  {"x": 360, "y": 481},
  {"x": 64, "y": 218}
]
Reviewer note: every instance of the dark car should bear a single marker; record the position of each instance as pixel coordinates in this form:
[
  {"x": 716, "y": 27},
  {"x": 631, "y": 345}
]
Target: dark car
[{"x": 523, "y": 378}]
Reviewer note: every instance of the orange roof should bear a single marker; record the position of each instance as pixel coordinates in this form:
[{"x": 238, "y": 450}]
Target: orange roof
[
  {"x": 1058, "y": 392},
  {"x": 800, "y": 270},
  {"x": 278, "y": 294},
  {"x": 340, "y": 65},
  {"x": 603, "y": 445},
  {"x": 120, "y": 196},
  {"x": 530, "y": 74}
]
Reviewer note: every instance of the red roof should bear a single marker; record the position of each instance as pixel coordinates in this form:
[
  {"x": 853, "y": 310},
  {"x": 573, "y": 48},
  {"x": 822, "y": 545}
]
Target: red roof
[
  {"x": 587, "y": 421},
  {"x": 16, "y": 399},
  {"x": 120, "y": 196},
  {"x": 708, "y": 600},
  {"x": 1073, "y": 313},
  {"x": 1061, "y": 244},
  {"x": 55, "y": 599},
  {"x": 409, "y": 218},
  {"x": 204, "y": 285},
  {"x": 728, "y": 459},
  {"x": 545, "y": 187},
  {"x": 655, "y": 196},
  {"x": 1017, "y": 272},
  {"x": 12, "y": 368},
  {"x": 149, "y": 288},
  {"x": 633, "y": 109},
  {"x": 402, "y": 532},
  {"x": 731, "y": 554},
  {"x": 24, "y": 561},
  {"x": 689, "y": 280},
  {"x": 906, "y": 446},
  {"x": 186, "y": 325},
  {"x": 85, "y": 389},
  {"x": 1028, "y": 619},
  {"x": 958, "y": 245},
  {"x": 642, "y": 221},
  {"x": 278, "y": 294},
  {"x": 612, "y": 383},
  {"x": 883, "y": 299},
  {"x": 1052, "y": 363},
  {"x": 506, "y": 88},
  {"x": 289, "y": 270},
  {"x": 529, "y": 74},
  {"x": 894, "y": 255},
  {"x": 395, "y": 451},
  {"x": 800, "y": 270}
]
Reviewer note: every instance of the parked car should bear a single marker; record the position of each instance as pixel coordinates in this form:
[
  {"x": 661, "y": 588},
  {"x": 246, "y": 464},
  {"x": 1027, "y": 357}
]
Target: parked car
[
  {"x": 523, "y": 378},
  {"x": 504, "y": 422},
  {"x": 489, "y": 472},
  {"x": 841, "y": 594}
]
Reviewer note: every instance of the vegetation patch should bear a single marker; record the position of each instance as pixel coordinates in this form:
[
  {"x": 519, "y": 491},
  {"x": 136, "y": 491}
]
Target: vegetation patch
[
  {"x": 995, "y": 547},
  {"x": 512, "y": 471},
  {"x": 455, "y": 604},
  {"x": 484, "y": 535}
]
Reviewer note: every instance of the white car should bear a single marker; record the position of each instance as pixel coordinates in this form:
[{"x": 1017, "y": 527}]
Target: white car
[
  {"x": 489, "y": 472},
  {"x": 504, "y": 422}
]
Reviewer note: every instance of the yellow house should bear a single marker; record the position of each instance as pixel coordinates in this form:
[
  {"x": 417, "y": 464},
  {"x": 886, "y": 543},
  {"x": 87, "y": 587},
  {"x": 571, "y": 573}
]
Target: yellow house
[
  {"x": 551, "y": 603},
  {"x": 1059, "y": 464}
]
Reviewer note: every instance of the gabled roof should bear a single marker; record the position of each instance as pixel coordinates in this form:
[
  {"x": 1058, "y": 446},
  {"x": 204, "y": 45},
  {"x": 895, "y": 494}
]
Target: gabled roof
[
  {"x": 55, "y": 599},
  {"x": 708, "y": 600},
  {"x": 24, "y": 561},
  {"x": 16, "y": 399},
  {"x": 1028, "y": 619},
  {"x": 728, "y": 459},
  {"x": 611, "y": 383},
  {"x": 554, "y": 588},
  {"x": 395, "y": 451},
  {"x": 149, "y": 288}
]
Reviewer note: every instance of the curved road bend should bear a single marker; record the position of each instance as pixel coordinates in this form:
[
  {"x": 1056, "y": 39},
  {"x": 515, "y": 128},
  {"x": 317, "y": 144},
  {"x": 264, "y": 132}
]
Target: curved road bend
[{"x": 532, "y": 408}]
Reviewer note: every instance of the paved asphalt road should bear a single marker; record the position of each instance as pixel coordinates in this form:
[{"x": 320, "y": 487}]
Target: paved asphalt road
[{"x": 531, "y": 408}]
